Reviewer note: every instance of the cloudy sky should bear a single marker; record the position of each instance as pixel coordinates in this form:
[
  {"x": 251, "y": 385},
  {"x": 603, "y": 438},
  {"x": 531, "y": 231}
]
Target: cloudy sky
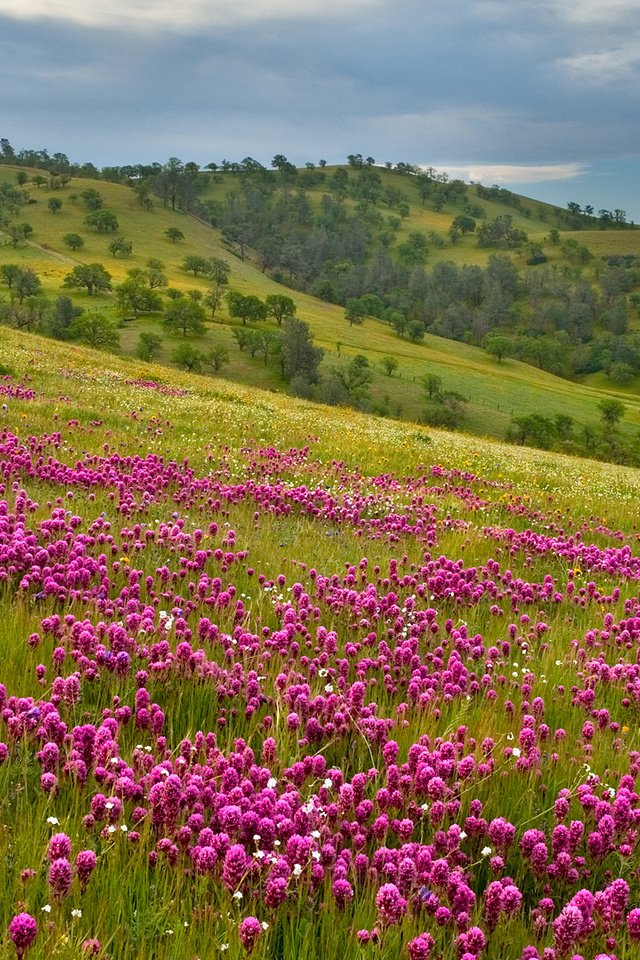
[{"x": 540, "y": 96}]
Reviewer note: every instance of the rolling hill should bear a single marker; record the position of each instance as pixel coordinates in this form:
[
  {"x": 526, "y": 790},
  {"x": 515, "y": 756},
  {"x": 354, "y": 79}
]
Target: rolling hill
[{"x": 495, "y": 391}]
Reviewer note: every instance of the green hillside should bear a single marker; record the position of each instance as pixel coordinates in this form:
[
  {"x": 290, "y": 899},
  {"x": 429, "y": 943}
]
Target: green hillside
[{"x": 494, "y": 392}]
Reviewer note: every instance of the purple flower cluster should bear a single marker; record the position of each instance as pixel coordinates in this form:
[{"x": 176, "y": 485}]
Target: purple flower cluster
[
  {"x": 357, "y": 776},
  {"x": 23, "y": 931}
]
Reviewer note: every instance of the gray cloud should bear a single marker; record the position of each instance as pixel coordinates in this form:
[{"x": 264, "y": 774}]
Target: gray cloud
[
  {"x": 604, "y": 67},
  {"x": 471, "y": 83},
  {"x": 166, "y": 15},
  {"x": 513, "y": 173}
]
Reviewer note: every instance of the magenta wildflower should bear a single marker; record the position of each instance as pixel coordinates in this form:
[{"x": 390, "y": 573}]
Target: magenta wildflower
[
  {"x": 420, "y": 947},
  {"x": 633, "y": 924},
  {"x": 391, "y": 904},
  {"x": 342, "y": 892},
  {"x": 86, "y": 862},
  {"x": 235, "y": 866},
  {"x": 23, "y": 930},
  {"x": 59, "y": 846},
  {"x": 249, "y": 931},
  {"x": 275, "y": 891},
  {"x": 59, "y": 877},
  {"x": 91, "y": 947},
  {"x": 567, "y": 929}
]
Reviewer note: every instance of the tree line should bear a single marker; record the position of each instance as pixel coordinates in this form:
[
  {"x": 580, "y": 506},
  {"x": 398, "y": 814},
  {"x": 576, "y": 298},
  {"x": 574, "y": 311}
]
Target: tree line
[{"x": 601, "y": 440}]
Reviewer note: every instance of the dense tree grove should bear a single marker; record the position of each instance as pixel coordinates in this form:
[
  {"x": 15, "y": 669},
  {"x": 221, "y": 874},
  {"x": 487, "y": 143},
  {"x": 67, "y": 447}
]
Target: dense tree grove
[{"x": 351, "y": 254}]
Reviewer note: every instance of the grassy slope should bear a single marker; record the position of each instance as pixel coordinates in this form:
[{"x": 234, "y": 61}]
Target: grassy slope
[
  {"x": 140, "y": 915},
  {"x": 495, "y": 390},
  {"x": 88, "y": 384}
]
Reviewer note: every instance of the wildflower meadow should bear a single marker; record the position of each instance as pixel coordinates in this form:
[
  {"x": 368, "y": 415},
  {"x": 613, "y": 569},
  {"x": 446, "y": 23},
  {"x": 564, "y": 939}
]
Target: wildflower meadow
[{"x": 279, "y": 681}]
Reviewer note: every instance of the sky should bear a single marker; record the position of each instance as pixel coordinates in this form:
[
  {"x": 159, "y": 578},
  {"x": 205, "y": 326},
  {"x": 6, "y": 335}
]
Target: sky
[{"x": 542, "y": 97}]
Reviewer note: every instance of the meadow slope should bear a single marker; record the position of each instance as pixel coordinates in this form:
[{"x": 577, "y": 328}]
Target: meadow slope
[
  {"x": 495, "y": 391},
  {"x": 285, "y": 681}
]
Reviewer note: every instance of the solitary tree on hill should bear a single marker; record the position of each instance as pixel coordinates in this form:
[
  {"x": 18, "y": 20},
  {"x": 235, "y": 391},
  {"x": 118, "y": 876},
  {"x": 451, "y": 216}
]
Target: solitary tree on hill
[
  {"x": 279, "y": 307},
  {"x": 96, "y": 330},
  {"x": 188, "y": 357},
  {"x": 498, "y": 346},
  {"x": 92, "y": 276},
  {"x": 389, "y": 365},
  {"x": 355, "y": 312},
  {"x": 299, "y": 356},
  {"x": 196, "y": 265},
  {"x": 105, "y": 221},
  {"x": 135, "y": 295},
  {"x": 185, "y": 315},
  {"x": 120, "y": 247},
  {"x": 174, "y": 234},
  {"x": 92, "y": 198},
  {"x": 611, "y": 411},
  {"x": 148, "y": 345},
  {"x": 216, "y": 357},
  {"x": 246, "y": 308},
  {"x": 73, "y": 240},
  {"x": 19, "y": 232},
  {"x": 25, "y": 284}
]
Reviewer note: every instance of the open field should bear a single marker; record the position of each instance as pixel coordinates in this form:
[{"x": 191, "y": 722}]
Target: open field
[{"x": 286, "y": 681}]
